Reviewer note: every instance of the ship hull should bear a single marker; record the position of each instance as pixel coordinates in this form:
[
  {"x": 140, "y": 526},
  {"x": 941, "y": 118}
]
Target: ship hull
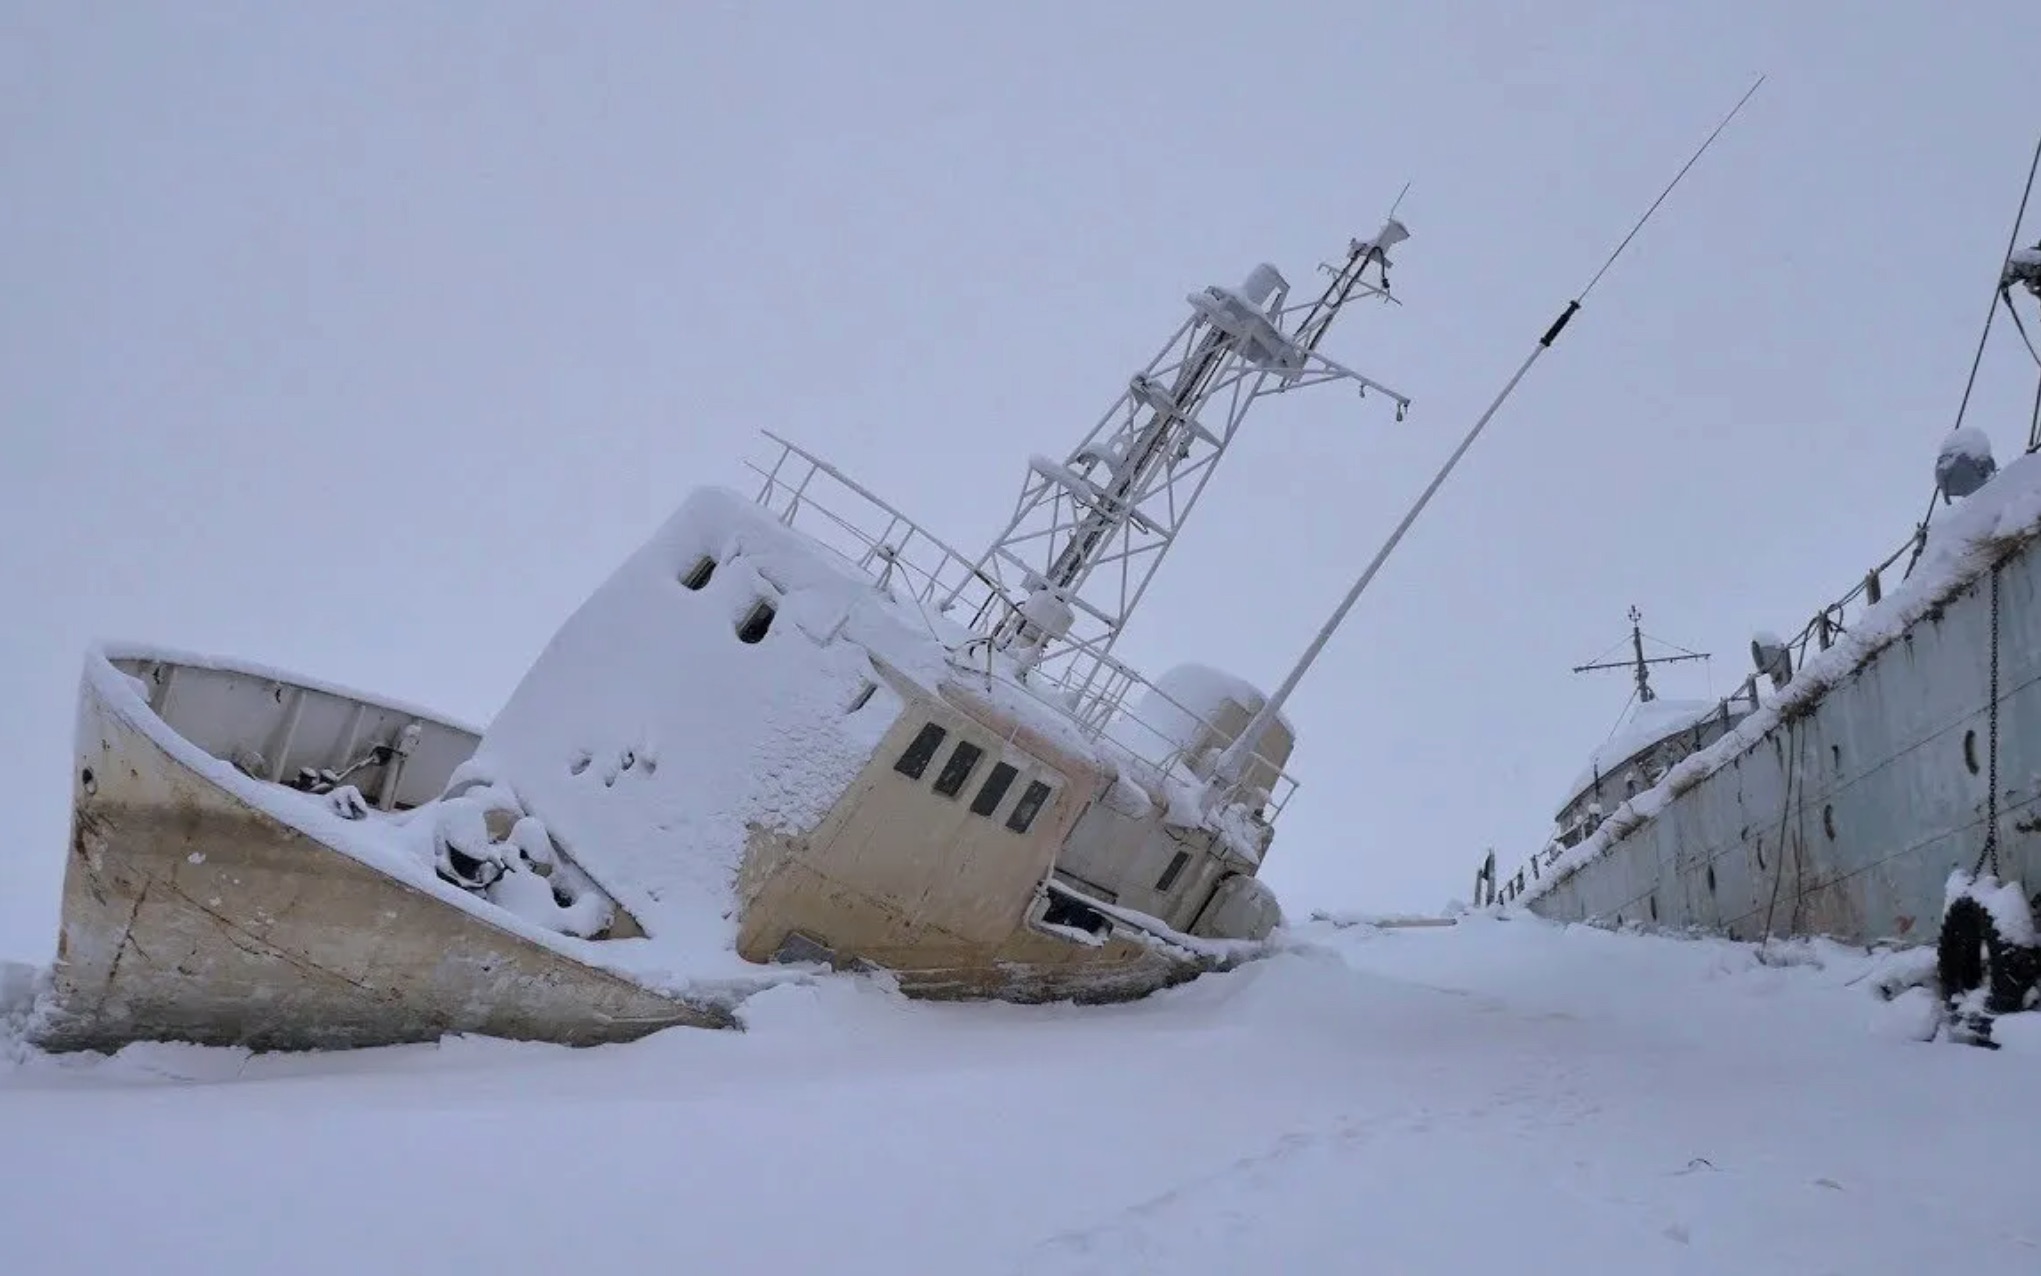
[
  {"x": 193, "y": 911},
  {"x": 191, "y": 915},
  {"x": 1847, "y": 816}
]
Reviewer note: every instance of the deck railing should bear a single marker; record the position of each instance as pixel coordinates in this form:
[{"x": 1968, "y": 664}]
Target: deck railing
[{"x": 1089, "y": 685}]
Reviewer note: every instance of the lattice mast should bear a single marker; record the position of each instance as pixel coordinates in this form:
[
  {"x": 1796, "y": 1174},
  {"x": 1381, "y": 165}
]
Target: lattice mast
[{"x": 1088, "y": 532}]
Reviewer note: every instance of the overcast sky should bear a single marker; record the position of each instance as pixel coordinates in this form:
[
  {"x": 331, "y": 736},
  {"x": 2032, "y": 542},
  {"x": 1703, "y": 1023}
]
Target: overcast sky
[{"x": 364, "y": 340}]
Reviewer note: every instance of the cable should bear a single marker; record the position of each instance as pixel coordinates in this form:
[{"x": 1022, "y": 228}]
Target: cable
[
  {"x": 1991, "y": 309},
  {"x": 1668, "y": 189}
]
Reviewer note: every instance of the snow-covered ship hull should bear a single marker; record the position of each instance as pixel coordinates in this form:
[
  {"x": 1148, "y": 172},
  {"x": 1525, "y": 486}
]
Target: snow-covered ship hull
[
  {"x": 1875, "y": 780},
  {"x": 763, "y": 746},
  {"x": 1842, "y": 807},
  {"x": 205, "y": 903}
]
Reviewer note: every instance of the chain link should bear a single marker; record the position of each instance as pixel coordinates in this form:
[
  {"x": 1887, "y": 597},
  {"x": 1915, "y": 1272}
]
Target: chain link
[{"x": 1990, "y": 852}]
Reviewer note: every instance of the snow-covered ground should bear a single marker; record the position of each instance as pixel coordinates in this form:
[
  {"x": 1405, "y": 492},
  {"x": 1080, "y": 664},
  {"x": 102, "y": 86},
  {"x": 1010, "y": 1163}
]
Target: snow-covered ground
[{"x": 1498, "y": 1096}]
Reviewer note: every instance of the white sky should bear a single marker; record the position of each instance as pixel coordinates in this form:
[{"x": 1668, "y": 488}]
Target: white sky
[{"x": 365, "y": 342}]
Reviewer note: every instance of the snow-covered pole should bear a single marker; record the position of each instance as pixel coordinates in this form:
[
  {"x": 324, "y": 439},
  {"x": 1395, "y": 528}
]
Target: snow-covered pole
[{"x": 1230, "y": 764}]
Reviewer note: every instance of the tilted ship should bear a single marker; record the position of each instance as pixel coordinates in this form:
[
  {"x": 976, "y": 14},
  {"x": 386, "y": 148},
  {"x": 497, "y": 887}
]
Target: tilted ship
[
  {"x": 793, "y": 731},
  {"x": 1875, "y": 780}
]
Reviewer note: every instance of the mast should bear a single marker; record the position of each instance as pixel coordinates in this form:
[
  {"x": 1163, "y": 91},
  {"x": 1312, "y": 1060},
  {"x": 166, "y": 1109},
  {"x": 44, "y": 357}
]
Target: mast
[
  {"x": 1119, "y": 498},
  {"x": 1638, "y": 664}
]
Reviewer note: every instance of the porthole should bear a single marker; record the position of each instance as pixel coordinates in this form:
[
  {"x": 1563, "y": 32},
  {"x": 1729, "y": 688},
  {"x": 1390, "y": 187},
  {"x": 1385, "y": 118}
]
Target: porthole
[
  {"x": 1970, "y": 751},
  {"x": 756, "y": 622},
  {"x": 1828, "y": 822},
  {"x": 1711, "y": 879}
]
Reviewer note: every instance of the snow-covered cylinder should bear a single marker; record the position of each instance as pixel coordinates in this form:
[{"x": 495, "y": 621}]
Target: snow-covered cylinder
[
  {"x": 1198, "y": 711},
  {"x": 1965, "y": 463}
]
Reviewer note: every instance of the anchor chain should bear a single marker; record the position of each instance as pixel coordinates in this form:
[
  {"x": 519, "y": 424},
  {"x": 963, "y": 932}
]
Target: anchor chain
[{"x": 1990, "y": 852}]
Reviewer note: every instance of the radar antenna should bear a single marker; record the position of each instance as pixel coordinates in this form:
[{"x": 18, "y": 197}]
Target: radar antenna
[
  {"x": 1119, "y": 498},
  {"x": 1639, "y": 664}
]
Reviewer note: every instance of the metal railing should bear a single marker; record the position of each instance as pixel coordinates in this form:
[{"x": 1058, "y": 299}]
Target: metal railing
[{"x": 1084, "y": 683}]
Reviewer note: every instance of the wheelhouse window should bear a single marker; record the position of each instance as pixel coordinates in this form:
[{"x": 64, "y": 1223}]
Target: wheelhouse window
[
  {"x": 920, "y": 751},
  {"x": 963, "y": 761},
  {"x": 1175, "y": 870},
  {"x": 994, "y": 790},
  {"x": 1029, "y": 806},
  {"x": 698, "y": 575}
]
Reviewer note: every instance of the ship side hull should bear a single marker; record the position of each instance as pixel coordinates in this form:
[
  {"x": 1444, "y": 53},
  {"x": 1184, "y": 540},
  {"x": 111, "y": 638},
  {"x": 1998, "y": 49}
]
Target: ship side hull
[{"x": 1847, "y": 817}]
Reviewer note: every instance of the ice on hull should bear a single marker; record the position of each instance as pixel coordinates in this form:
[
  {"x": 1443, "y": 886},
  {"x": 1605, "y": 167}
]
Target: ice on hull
[{"x": 190, "y": 914}]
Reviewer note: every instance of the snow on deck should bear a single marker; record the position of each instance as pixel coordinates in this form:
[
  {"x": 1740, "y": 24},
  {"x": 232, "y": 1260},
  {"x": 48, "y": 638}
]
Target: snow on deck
[
  {"x": 1961, "y": 543},
  {"x": 1650, "y": 722},
  {"x": 1499, "y": 1096},
  {"x": 648, "y": 737}
]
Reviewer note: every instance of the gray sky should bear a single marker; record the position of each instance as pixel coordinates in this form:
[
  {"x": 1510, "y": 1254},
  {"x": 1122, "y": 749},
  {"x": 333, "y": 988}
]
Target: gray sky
[{"x": 365, "y": 341}]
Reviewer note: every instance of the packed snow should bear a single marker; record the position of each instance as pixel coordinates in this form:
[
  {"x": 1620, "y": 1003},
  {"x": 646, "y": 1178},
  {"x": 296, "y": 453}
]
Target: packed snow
[
  {"x": 654, "y": 731},
  {"x": 1650, "y": 722},
  {"x": 2004, "y": 902},
  {"x": 1501, "y": 1095}
]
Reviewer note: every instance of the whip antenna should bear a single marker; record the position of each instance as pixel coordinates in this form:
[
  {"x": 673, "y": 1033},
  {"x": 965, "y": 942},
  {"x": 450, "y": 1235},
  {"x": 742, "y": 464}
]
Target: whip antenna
[{"x": 1229, "y": 768}]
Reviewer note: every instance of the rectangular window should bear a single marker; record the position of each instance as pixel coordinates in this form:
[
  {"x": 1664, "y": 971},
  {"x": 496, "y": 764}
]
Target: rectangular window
[
  {"x": 1030, "y": 805},
  {"x": 996, "y": 785},
  {"x": 915, "y": 761},
  {"x": 1175, "y": 870},
  {"x": 963, "y": 761},
  {"x": 699, "y": 574}
]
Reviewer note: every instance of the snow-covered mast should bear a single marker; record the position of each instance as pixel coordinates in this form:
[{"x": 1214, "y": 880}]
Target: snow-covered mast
[{"x": 1118, "y": 499}]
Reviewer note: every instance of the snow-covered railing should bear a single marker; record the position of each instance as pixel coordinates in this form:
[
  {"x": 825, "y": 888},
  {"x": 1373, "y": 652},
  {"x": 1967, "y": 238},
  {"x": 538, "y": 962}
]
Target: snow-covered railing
[
  {"x": 1103, "y": 708},
  {"x": 850, "y": 519},
  {"x": 1828, "y": 624},
  {"x": 1095, "y": 689}
]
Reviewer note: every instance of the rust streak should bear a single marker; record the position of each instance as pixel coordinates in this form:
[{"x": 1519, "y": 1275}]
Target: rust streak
[{"x": 254, "y": 945}]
